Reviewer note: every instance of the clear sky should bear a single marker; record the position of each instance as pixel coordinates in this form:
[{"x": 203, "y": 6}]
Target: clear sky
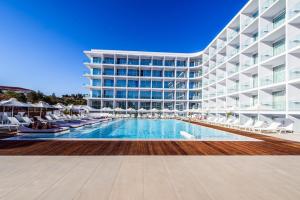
[{"x": 42, "y": 42}]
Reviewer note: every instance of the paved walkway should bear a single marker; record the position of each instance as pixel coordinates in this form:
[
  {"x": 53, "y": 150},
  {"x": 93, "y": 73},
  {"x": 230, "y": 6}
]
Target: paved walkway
[{"x": 150, "y": 177}]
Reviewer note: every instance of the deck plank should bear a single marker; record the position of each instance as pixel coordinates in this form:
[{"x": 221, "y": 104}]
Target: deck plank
[{"x": 266, "y": 146}]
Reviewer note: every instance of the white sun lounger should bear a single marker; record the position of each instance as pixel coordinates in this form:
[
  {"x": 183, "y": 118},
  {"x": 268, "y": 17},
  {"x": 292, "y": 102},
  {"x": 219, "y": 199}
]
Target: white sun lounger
[
  {"x": 287, "y": 129},
  {"x": 273, "y": 127},
  {"x": 248, "y": 124}
]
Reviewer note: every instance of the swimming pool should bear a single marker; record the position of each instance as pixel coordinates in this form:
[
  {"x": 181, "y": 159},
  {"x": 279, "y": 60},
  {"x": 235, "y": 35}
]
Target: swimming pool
[{"x": 141, "y": 129}]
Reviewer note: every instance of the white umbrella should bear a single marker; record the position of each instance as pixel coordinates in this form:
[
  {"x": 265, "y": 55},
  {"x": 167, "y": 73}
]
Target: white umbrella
[
  {"x": 142, "y": 109},
  {"x": 60, "y": 106},
  {"x": 166, "y": 110},
  {"x": 131, "y": 109},
  {"x": 41, "y": 105},
  {"x": 118, "y": 109},
  {"x": 106, "y": 109},
  {"x": 12, "y": 103},
  {"x": 154, "y": 110}
]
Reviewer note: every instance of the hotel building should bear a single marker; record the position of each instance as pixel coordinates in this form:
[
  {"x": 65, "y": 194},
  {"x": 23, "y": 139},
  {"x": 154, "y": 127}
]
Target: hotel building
[{"x": 251, "y": 69}]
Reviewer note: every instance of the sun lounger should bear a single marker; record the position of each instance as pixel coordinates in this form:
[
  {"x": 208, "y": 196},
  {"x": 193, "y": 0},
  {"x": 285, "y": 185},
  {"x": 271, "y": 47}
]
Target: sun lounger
[
  {"x": 257, "y": 124},
  {"x": 14, "y": 121},
  {"x": 289, "y": 128},
  {"x": 248, "y": 124},
  {"x": 273, "y": 127},
  {"x": 24, "y": 129}
]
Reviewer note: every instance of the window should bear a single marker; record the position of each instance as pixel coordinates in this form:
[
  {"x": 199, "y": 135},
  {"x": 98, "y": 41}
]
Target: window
[
  {"x": 121, "y": 94},
  {"x": 169, "y": 73},
  {"x": 121, "y": 72},
  {"x": 156, "y": 105},
  {"x": 108, "y": 93},
  {"x": 96, "y": 82},
  {"x": 169, "y": 62},
  {"x": 157, "y": 73},
  {"x": 180, "y": 95},
  {"x": 180, "y": 74},
  {"x": 108, "y": 60},
  {"x": 169, "y": 84},
  {"x": 121, "y": 60},
  {"x": 278, "y": 73},
  {"x": 156, "y": 84},
  {"x": 96, "y": 93},
  {"x": 133, "y": 105},
  {"x": 145, "y": 72},
  {"x": 169, "y": 95},
  {"x": 133, "y": 83},
  {"x": 145, "y": 95},
  {"x": 279, "y": 19},
  {"x": 108, "y": 71},
  {"x": 279, "y": 47},
  {"x": 156, "y": 95},
  {"x": 96, "y": 71},
  {"x": 97, "y": 60},
  {"x": 181, "y": 85},
  {"x": 145, "y": 61},
  {"x": 108, "y": 82},
  {"x": 157, "y": 62},
  {"x": 169, "y": 105},
  {"x": 145, "y": 105},
  {"x": 146, "y": 84},
  {"x": 180, "y": 63},
  {"x": 133, "y": 95},
  {"x": 121, "y": 83},
  {"x": 121, "y": 104},
  {"x": 133, "y": 72},
  {"x": 133, "y": 61}
]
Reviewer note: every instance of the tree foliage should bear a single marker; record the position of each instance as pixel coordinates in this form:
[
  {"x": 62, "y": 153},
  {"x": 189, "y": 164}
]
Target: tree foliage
[{"x": 34, "y": 97}]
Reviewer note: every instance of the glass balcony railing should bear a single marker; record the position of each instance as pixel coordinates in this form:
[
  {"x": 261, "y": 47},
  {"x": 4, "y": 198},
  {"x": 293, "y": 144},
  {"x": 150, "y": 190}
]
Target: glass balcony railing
[
  {"x": 248, "y": 21},
  {"x": 220, "y": 77},
  {"x": 273, "y": 52},
  {"x": 212, "y": 80},
  {"x": 270, "y": 27},
  {"x": 220, "y": 92},
  {"x": 232, "y": 35},
  {"x": 294, "y": 105},
  {"x": 294, "y": 73},
  {"x": 232, "y": 70},
  {"x": 248, "y": 85},
  {"x": 212, "y": 95},
  {"x": 233, "y": 52},
  {"x": 247, "y": 65},
  {"x": 267, "y": 4},
  {"x": 233, "y": 89},
  {"x": 294, "y": 10},
  {"x": 294, "y": 42},
  {"x": 278, "y": 106},
  {"x": 272, "y": 79}
]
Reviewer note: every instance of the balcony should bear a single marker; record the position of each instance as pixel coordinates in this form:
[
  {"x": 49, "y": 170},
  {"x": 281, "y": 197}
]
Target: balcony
[
  {"x": 294, "y": 10},
  {"x": 272, "y": 52},
  {"x": 294, "y": 42},
  {"x": 233, "y": 89},
  {"x": 267, "y": 4},
  {"x": 220, "y": 92},
  {"x": 232, "y": 35},
  {"x": 248, "y": 85},
  {"x": 249, "y": 20},
  {"x": 232, "y": 70},
  {"x": 272, "y": 79},
  {"x": 274, "y": 106},
  {"x": 294, "y": 73},
  {"x": 294, "y": 105}
]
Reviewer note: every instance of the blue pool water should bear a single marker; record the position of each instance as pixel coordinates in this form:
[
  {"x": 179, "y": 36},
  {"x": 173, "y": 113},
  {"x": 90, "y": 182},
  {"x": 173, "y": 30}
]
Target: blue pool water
[{"x": 142, "y": 129}]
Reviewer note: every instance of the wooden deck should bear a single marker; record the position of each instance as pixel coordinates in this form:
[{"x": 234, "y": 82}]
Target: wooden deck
[{"x": 267, "y": 146}]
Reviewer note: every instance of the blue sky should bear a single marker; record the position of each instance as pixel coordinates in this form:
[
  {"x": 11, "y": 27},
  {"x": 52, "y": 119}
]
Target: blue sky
[{"x": 42, "y": 42}]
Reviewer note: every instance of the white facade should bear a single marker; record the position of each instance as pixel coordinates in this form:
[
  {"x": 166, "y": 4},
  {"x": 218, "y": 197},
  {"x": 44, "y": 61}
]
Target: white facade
[{"x": 252, "y": 68}]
